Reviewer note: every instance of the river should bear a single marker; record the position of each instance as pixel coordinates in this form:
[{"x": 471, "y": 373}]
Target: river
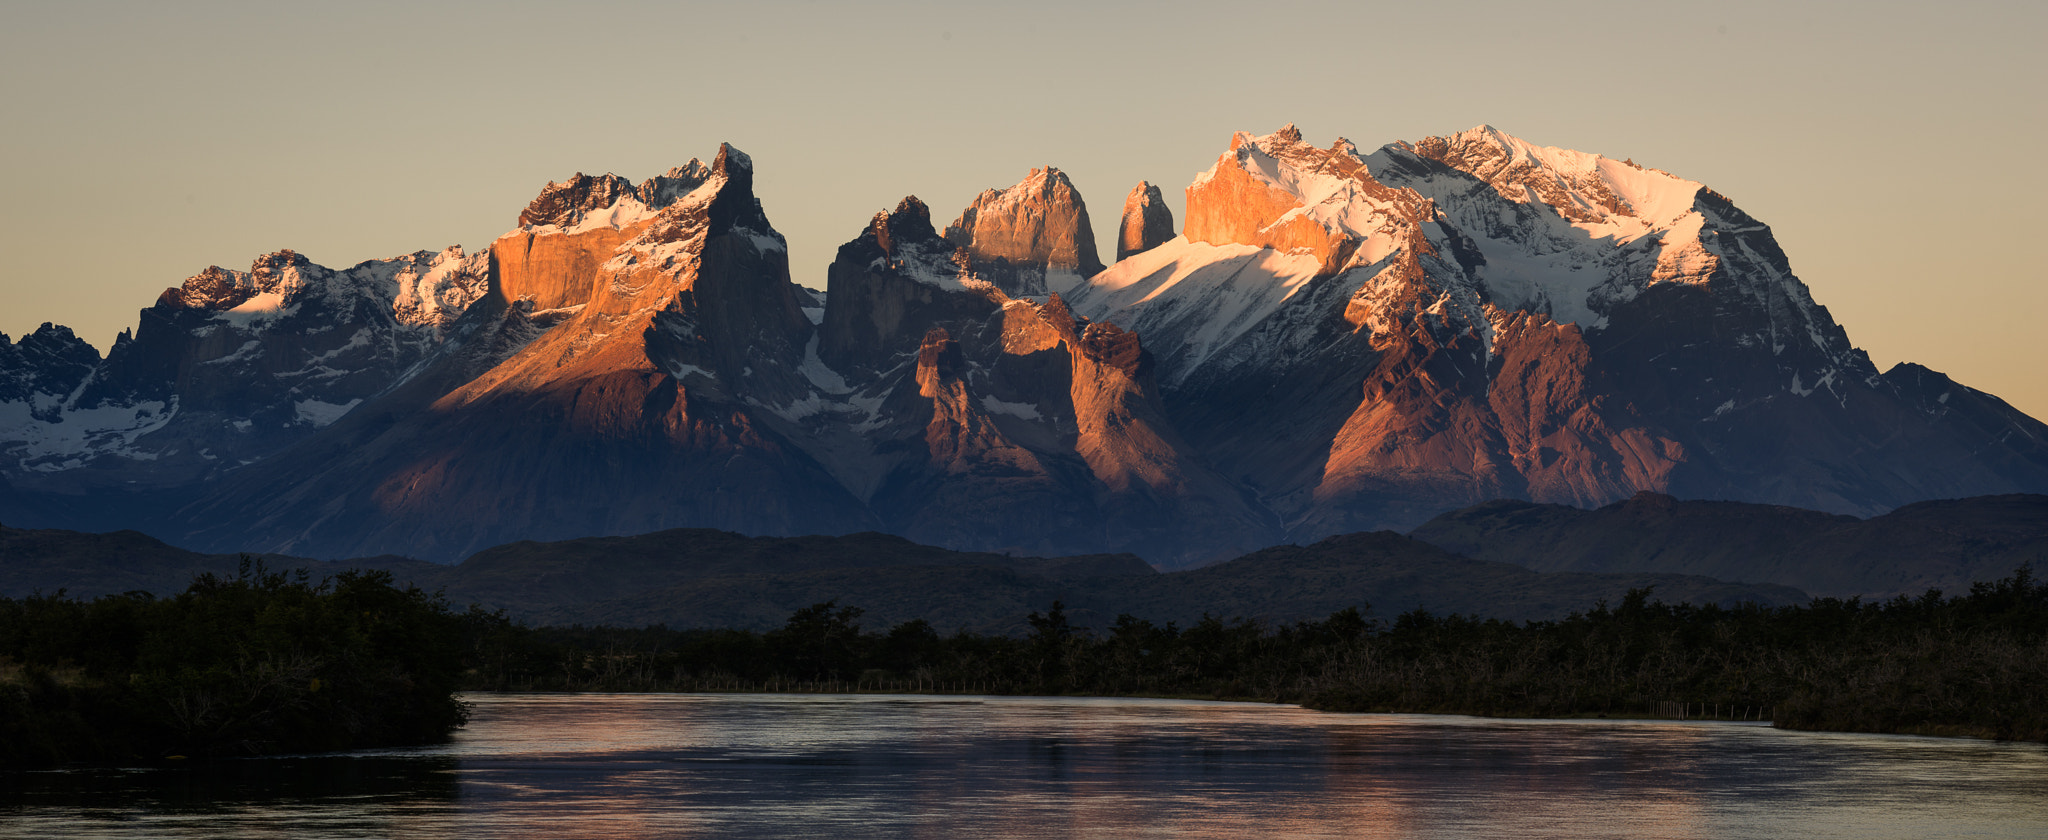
[{"x": 624, "y": 766}]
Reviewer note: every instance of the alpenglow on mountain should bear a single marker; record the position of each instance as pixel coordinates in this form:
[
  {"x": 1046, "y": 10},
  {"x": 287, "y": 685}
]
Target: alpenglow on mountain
[{"x": 1334, "y": 341}]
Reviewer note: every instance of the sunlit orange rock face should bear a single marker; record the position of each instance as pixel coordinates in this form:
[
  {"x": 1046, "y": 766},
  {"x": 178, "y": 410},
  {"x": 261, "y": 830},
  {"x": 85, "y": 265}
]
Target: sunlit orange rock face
[
  {"x": 555, "y": 271},
  {"x": 690, "y": 302},
  {"x": 1029, "y": 235},
  {"x": 1233, "y": 208},
  {"x": 1020, "y": 426},
  {"x": 619, "y": 412},
  {"x": 1147, "y": 221}
]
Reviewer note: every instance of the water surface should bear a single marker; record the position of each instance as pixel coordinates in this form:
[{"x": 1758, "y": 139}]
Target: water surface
[{"x": 625, "y": 766}]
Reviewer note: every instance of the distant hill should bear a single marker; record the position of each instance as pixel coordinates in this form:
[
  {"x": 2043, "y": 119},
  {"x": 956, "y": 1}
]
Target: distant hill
[
  {"x": 706, "y": 578},
  {"x": 1942, "y": 544},
  {"x": 83, "y": 565},
  {"x": 696, "y": 577},
  {"x": 1396, "y": 574}
]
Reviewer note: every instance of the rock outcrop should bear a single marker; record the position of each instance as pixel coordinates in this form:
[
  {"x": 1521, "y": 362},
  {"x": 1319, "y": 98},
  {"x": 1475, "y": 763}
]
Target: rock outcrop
[
  {"x": 998, "y": 422},
  {"x": 51, "y": 362},
  {"x": 1949, "y": 544},
  {"x": 1147, "y": 221},
  {"x": 1030, "y": 239}
]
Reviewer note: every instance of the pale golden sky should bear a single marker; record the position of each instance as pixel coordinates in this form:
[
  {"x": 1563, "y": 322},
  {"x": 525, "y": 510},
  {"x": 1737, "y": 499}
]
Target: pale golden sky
[{"x": 1893, "y": 147}]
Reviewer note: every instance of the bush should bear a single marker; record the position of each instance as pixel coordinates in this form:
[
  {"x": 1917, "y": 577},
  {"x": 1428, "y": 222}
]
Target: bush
[{"x": 260, "y": 663}]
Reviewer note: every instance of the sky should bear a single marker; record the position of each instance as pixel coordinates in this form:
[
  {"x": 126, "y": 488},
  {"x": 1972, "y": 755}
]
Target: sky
[{"x": 1894, "y": 148}]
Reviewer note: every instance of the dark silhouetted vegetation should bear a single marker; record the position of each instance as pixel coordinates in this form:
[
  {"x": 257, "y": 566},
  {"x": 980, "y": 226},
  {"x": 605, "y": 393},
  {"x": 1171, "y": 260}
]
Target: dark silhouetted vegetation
[
  {"x": 266, "y": 663},
  {"x": 257, "y": 663},
  {"x": 1975, "y": 664}
]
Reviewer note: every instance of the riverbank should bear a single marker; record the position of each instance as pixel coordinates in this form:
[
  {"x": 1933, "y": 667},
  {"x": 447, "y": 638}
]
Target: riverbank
[
  {"x": 1971, "y": 665},
  {"x": 260, "y": 663},
  {"x": 263, "y": 663}
]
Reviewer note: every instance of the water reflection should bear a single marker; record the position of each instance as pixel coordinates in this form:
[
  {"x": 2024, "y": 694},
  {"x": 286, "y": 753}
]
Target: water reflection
[{"x": 634, "y": 766}]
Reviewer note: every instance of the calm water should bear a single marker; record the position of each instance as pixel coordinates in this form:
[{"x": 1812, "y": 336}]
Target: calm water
[{"x": 632, "y": 766}]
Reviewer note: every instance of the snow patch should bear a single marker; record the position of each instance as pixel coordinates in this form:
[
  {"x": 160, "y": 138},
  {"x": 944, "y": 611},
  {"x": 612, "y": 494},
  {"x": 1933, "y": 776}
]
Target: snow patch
[
  {"x": 79, "y": 434},
  {"x": 765, "y": 243},
  {"x": 871, "y": 406},
  {"x": 821, "y": 376},
  {"x": 679, "y": 371},
  {"x": 323, "y": 414},
  {"x": 624, "y": 213},
  {"x": 1027, "y": 411},
  {"x": 1190, "y": 299},
  {"x": 248, "y": 350},
  {"x": 264, "y": 307}
]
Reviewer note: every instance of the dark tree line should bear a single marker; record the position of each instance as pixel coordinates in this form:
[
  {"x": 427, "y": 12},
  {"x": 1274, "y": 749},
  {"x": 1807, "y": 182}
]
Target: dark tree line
[
  {"x": 1975, "y": 664},
  {"x": 262, "y": 662},
  {"x": 267, "y": 663}
]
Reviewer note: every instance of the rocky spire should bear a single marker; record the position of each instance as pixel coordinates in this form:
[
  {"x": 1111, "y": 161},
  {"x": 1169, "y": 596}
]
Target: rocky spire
[
  {"x": 1147, "y": 223},
  {"x": 1019, "y": 236}
]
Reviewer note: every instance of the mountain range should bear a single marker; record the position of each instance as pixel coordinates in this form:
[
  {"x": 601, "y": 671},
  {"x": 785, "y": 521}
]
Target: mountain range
[
  {"x": 1334, "y": 341},
  {"x": 702, "y": 578},
  {"x": 1948, "y": 544},
  {"x": 1499, "y": 559}
]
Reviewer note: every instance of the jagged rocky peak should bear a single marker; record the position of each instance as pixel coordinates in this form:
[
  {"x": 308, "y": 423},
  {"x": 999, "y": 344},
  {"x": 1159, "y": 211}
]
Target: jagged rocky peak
[
  {"x": 581, "y": 232},
  {"x": 697, "y": 289},
  {"x": 280, "y": 269},
  {"x": 1266, "y": 226},
  {"x": 219, "y": 289},
  {"x": 888, "y": 284},
  {"x": 424, "y": 289},
  {"x": 213, "y": 288},
  {"x": 55, "y": 342},
  {"x": 663, "y": 190},
  {"x": 1031, "y": 238},
  {"x": 586, "y": 201},
  {"x": 564, "y": 203},
  {"x": 1282, "y": 193},
  {"x": 910, "y": 222},
  {"x": 1147, "y": 221},
  {"x": 904, "y": 240},
  {"x": 1582, "y": 187},
  {"x": 1573, "y": 234},
  {"x": 733, "y": 203},
  {"x": 1582, "y": 237},
  {"x": 434, "y": 289},
  {"x": 50, "y": 361}
]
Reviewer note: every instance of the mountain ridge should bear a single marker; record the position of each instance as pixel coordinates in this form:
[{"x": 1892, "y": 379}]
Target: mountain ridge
[
  {"x": 717, "y": 579},
  {"x": 1336, "y": 341}
]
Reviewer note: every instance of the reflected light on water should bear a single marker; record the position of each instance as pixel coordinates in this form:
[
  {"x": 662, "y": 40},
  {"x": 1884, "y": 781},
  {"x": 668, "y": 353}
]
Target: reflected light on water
[{"x": 658, "y": 766}]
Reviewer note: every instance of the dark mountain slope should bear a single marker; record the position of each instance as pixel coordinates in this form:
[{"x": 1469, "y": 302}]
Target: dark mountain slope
[{"x": 1941, "y": 544}]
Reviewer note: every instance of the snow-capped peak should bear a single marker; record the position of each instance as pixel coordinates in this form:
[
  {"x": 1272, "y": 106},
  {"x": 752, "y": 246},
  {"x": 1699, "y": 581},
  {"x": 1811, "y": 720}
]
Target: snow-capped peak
[
  {"x": 584, "y": 203},
  {"x": 1319, "y": 201},
  {"x": 1563, "y": 232},
  {"x": 1600, "y": 194},
  {"x": 1264, "y": 225}
]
